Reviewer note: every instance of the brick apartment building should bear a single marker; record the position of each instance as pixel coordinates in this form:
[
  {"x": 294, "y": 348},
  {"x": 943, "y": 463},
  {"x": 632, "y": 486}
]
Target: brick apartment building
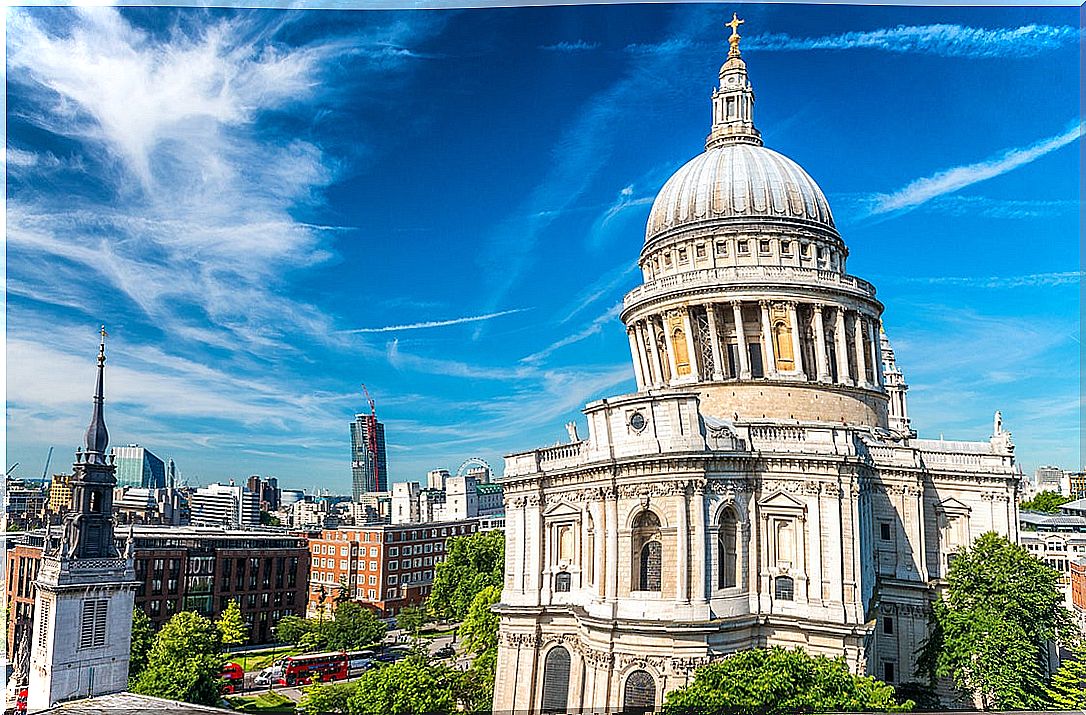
[
  {"x": 191, "y": 569},
  {"x": 382, "y": 565}
]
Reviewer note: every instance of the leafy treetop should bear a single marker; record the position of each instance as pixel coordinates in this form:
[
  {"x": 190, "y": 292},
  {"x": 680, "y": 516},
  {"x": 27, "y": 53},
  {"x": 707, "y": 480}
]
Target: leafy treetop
[
  {"x": 777, "y": 681},
  {"x": 1046, "y": 501},
  {"x": 471, "y": 564},
  {"x": 994, "y": 622}
]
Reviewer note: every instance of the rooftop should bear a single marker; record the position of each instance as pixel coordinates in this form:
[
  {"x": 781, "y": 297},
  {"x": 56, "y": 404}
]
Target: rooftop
[{"x": 129, "y": 703}]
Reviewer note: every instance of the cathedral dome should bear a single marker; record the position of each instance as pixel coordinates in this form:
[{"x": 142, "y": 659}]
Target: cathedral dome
[{"x": 738, "y": 181}]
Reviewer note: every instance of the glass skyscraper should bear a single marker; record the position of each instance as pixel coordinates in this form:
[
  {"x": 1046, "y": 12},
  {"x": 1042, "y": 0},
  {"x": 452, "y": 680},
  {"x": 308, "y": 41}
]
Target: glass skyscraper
[
  {"x": 138, "y": 467},
  {"x": 369, "y": 466}
]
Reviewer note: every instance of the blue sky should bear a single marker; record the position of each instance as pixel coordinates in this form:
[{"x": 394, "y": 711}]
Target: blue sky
[{"x": 268, "y": 209}]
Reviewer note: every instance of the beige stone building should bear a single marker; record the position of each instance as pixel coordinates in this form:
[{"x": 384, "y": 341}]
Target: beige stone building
[{"x": 763, "y": 485}]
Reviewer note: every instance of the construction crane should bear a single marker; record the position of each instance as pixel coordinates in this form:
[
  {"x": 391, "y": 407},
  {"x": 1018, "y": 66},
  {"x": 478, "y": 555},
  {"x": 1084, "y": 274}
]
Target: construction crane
[
  {"x": 48, "y": 458},
  {"x": 371, "y": 438}
]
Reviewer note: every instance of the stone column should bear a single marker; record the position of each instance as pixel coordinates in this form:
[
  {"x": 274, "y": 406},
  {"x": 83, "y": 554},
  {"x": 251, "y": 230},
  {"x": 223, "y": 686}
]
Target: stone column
[
  {"x": 646, "y": 367},
  {"x": 657, "y": 366},
  {"x": 714, "y": 340},
  {"x": 611, "y": 592},
  {"x": 688, "y": 323},
  {"x": 598, "y": 538},
  {"x": 876, "y": 354},
  {"x": 699, "y": 572},
  {"x": 842, "y": 349},
  {"x": 741, "y": 341},
  {"x": 670, "y": 352},
  {"x": 861, "y": 348},
  {"x": 820, "y": 345},
  {"x": 635, "y": 355},
  {"x": 682, "y": 552},
  {"x": 797, "y": 352},
  {"x": 768, "y": 356}
]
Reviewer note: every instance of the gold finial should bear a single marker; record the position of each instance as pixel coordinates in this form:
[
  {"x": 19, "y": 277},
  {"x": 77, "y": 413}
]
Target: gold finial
[
  {"x": 734, "y": 39},
  {"x": 103, "y": 333},
  {"x": 102, "y": 345}
]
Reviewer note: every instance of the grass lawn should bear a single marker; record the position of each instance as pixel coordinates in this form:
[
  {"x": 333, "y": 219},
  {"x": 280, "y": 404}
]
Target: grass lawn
[
  {"x": 269, "y": 702},
  {"x": 256, "y": 660}
]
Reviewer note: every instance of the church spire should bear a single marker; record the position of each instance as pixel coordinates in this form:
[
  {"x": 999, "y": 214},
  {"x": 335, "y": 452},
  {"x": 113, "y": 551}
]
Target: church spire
[
  {"x": 96, "y": 439},
  {"x": 733, "y": 100}
]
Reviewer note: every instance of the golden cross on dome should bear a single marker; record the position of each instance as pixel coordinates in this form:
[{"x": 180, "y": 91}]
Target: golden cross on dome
[
  {"x": 734, "y": 24},
  {"x": 733, "y": 41}
]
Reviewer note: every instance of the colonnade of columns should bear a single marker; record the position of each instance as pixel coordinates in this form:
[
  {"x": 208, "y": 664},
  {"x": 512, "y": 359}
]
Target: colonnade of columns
[{"x": 789, "y": 340}]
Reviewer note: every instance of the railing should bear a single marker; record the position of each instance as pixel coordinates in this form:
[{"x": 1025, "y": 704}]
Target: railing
[
  {"x": 778, "y": 434},
  {"x": 560, "y": 452},
  {"x": 741, "y": 274}
]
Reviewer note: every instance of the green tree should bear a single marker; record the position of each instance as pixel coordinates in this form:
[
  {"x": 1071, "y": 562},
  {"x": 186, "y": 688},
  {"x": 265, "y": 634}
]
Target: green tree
[
  {"x": 267, "y": 519},
  {"x": 185, "y": 661},
  {"x": 479, "y": 630},
  {"x": 327, "y": 698},
  {"x": 343, "y": 593},
  {"x": 1047, "y": 502},
  {"x": 475, "y": 690},
  {"x": 779, "y": 681},
  {"x": 353, "y": 627},
  {"x": 412, "y": 686},
  {"x": 992, "y": 627},
  {"x": 1067, "y": 689},
  {"x": 232, "y": 626},
  {"x": 471, "y": 564},
  {"x": 143, "y": 635},
  {"x": 292, "y": 629},
  {"x": 411, "y": 619}
]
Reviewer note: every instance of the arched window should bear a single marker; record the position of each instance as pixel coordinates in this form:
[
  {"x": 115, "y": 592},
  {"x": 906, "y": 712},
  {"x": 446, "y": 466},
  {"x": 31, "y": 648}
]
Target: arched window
[
  {"x": 95, "y": 503},
  {"x": 682, "y": 354},
  {"x": 556, "y": 680},
  {"x": 589, "y": 559},
  {"x": 784, "y": 588},
  {"x": 782, "y": 345},
  {"x": 647, "y": 552},
  {"x": 562, "y": 582},
  {"x": 639, "y": 695},
  {"x": 727, "y": 572},
  {"x": 649, "y": 576}
]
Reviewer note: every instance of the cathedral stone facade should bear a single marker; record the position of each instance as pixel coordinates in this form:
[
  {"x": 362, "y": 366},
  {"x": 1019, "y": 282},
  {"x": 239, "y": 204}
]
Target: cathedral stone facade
[{"x": 763, "y": 486}]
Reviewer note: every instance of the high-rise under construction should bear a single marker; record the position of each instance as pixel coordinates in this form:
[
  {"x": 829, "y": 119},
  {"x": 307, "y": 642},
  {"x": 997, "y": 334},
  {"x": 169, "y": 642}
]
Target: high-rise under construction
[{"x": 369, "y": 471}]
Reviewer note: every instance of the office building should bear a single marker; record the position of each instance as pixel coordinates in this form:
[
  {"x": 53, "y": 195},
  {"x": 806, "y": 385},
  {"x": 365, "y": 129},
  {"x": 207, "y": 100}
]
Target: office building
[
  {"x": 138, "y": 467},
  {"x": 369, "y": 464},
  {"x": 384, "y": 566}
]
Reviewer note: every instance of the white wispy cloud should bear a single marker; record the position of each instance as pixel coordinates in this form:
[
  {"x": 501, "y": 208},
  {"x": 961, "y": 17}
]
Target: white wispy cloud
[
  {"x": 949, "y": 180},
  {"x": 945, "y": 40},
  {"x": 990, "y": 207},
  {"x": 192, "y": 216},
  {"x": 585, "y": 146},
  {"x": 607, "y": 318},
  {"x": 566, "y": 46},
  {"x": 436, "y": 323},
  {"x": 1031, "y": 280}
]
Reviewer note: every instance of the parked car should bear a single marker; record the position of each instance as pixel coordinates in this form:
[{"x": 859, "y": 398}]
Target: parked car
[
  {"x": 445, "y": 651},
  {"x": 268, "y": 676}
]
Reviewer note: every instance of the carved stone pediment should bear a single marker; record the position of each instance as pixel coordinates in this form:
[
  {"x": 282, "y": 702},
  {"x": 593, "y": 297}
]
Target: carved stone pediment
[{"x": 781, "y": 501}]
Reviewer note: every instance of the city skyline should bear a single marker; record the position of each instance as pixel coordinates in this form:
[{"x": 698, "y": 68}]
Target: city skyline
[{"x": 268, "y": 209}]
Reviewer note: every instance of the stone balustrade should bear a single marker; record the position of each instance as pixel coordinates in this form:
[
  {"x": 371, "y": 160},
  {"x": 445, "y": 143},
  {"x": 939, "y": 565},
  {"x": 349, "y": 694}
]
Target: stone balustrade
[{"x": 723, "y": 275}]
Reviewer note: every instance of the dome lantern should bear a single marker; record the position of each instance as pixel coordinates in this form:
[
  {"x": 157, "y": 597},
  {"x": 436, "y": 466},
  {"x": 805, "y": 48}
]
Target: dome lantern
[{"x": 733, "y": 100}]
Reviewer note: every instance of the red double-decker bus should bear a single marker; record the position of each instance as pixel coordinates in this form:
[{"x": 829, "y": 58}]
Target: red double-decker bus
[{"x": 312, "y": 668}]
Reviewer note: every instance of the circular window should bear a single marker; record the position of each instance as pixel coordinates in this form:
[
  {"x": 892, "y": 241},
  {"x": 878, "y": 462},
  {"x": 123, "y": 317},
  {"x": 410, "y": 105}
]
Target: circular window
[{"x": 637, "y": 421}]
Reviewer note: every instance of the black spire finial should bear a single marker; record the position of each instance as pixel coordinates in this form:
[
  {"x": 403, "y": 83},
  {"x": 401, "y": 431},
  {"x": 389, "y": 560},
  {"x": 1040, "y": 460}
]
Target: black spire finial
[{"x": 97, "y": 438}]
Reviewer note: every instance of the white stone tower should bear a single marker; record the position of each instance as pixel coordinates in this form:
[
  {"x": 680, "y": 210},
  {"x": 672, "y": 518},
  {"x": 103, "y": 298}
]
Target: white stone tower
[{"x": 85, "y": 588}]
